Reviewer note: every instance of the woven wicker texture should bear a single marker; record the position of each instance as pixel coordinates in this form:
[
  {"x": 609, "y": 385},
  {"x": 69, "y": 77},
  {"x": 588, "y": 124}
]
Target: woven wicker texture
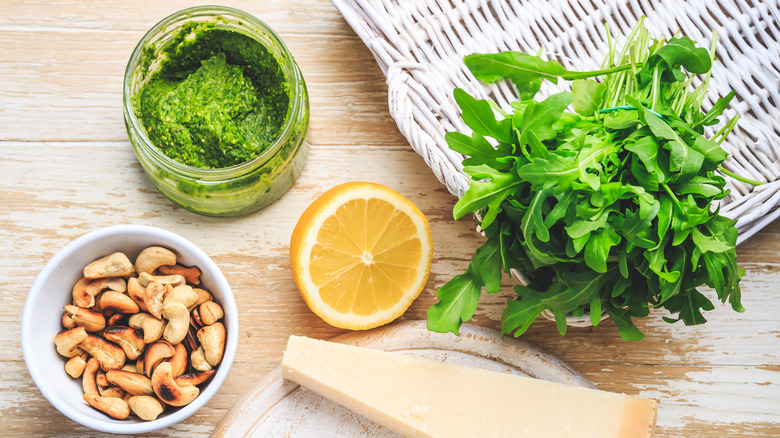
[{"x": 420, "y": 45}]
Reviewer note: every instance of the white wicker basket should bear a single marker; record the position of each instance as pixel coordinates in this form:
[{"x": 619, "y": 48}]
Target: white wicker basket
[{"x": 420, "y": 45}]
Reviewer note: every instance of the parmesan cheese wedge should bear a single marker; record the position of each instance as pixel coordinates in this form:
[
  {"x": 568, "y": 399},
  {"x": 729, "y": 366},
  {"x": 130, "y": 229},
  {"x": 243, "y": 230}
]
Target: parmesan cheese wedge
[{"x": 418, "y": 397}]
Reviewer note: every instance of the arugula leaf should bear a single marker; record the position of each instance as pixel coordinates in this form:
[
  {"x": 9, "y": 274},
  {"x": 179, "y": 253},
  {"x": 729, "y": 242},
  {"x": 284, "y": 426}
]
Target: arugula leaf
[
  {"x": 588, "y": 95},
  {"x": 626, "y": 328},
  {"x": 539, "y": 118},
  {"x": 480, "y": 194},
  {"x": 457, "y": 303},
  {"x": 606, "y": 208},
  {"x": 721, "y": 104},
  {"x": 478, "y": 115},
  {"x": 478, "y": 150}
]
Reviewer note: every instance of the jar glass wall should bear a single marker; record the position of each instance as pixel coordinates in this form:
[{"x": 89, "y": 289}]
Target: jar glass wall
[{"x": 227, "y": 191}]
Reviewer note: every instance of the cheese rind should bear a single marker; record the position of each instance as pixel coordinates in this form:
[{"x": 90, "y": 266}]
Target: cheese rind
[{"x": 418, "y": 397}]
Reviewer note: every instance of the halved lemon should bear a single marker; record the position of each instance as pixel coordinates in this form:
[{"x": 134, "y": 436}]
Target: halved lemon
[{"x": 360, "y": 255}]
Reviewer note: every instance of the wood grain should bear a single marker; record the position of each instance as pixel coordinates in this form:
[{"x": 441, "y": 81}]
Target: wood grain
[{"x": 66, "y": 168}]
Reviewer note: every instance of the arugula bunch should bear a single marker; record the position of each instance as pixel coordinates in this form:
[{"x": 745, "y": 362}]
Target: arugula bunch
[{"x": 604, "y": 209}]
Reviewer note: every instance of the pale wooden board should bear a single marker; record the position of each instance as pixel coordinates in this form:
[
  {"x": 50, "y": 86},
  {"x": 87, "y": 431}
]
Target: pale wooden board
[{"x": 281, "y": 408}]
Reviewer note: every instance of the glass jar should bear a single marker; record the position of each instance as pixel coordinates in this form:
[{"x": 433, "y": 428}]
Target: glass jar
[{"x": 226, "y": 191}]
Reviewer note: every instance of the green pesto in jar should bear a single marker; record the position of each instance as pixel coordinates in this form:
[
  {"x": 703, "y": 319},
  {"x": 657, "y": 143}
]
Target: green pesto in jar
[{"x": 217, "y": 99}]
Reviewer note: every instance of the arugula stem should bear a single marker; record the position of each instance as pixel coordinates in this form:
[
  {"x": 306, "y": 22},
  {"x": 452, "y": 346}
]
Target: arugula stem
[
  {"x": 655, "y": 98},
  {"x": 726, "y": 130},
  {"x": 571, "y": 75},
  {"x": 629, "y": 107},
  {"x": 671, "y": 195},
  {"x": 740, "y": 178}
]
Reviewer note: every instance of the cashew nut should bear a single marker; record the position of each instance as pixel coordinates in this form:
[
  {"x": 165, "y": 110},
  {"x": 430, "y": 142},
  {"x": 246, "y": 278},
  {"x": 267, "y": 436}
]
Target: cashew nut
[
  {"x": 203, "y": 296},
  {"x": 130, "y": 368},
  {"x": 75, "y": 366},
  {"x": 168, "y": 391},
  {"x": 118, "y": 319},
  {"x": 194, "y": 379},
  {"x": 174, "y": 280},
  {"x": 89, "y": 378},
  {"x": 136, "y": 292},
  {"x": 178, "y": 361},
  {"x": 154, "y": 294},
  {"x": 198, "y": 360},
  {"x": 85, "y": 290},
  {"x": 191, "y": 275},
  {"x": 89, "y": 319},
  {"x": 155, "y": 354},
  {"x": 100, "y": 379},
  {"x": 114, "y": 265},
  {"x": 67, "y": 321},
  {"x": 210, "y": 312},
  {"x": 146, "y": 407},
  {"x": 69, "y": 341},
  {"x": 151, "y": 326},
  {"x": 115, "y": 302},
  {"x": 153, "y": 257},
  {"x": 178, "y": 322},
  {"x": 136, "y": 384},
  {"x": 111, "y": 406},
  {"x": 212, "y": 338},
  {"x": 110, "y": 356},
  {"x": 112, "y": 391},
  {"x": 131, "y": 340},
  {"x": 183, "y": 294}
]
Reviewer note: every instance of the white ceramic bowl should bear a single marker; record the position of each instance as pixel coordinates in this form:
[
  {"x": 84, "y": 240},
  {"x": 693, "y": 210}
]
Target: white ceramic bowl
[{"x": 52, "y": 290}]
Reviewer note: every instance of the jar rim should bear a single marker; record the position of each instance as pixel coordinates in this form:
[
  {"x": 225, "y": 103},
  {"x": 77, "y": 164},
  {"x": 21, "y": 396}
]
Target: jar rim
[{"x": 297, "y": 92}]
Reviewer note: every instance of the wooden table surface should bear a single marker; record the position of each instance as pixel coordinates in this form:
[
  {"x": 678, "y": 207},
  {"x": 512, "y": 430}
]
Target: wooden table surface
[{"x": 66, "y": 168}]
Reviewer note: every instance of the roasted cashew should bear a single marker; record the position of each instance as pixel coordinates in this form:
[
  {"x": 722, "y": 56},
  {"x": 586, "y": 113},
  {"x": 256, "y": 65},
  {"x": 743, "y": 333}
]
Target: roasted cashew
[
  {"x": 130, "y": 368},
  {"x": 198, "y": 360},
  {"x": 131, "y": 340},
  {"x": 153, "y": 257},
  {"x": 174, "y": 280},
  {"x": 115, "y": 302},
  {"x": 112, "y": 391},
  {"x": 146, "y": 407},
  {"x": 178, "y": 322},
  {"x": 203, "y": 296},
  {"x": 183, "y": 294},
  {"x": 196, "y": 322},
  {"x": 212, "y": 338},
  {"x": 118, "y": 319},
  {"x": 100, "y": 379},
  {"x": 69, "y": 341},
  {"x": 151, "y": 326},
  {"x": 156, "y": 353},
  {"x": 178, "y": 360},
  {"x": 110, "y": 356},
  {"x": 210, "y": 312},
  {"x": 194, "y": 379},
  {"x": 191, "y": 275},
  {"x": 136, "y": 384},
  {"x": 85, "y": 290},
  {"x": 89, "y": 319},
  {"x": 114, "y": 265},
  {"x": 154, "y": 294},
  {"x": 136, "y": 292},
  {"x": 89, "y": 378},
  {"x": 67, "y": 321},
  {"x": 111, "y": 406},
  {"x": 168, "y": 391},
  {"x": 75, "y": 366}
]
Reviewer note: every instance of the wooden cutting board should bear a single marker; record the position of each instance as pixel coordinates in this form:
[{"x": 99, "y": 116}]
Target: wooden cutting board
[{"x": 277, "y": 407}]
